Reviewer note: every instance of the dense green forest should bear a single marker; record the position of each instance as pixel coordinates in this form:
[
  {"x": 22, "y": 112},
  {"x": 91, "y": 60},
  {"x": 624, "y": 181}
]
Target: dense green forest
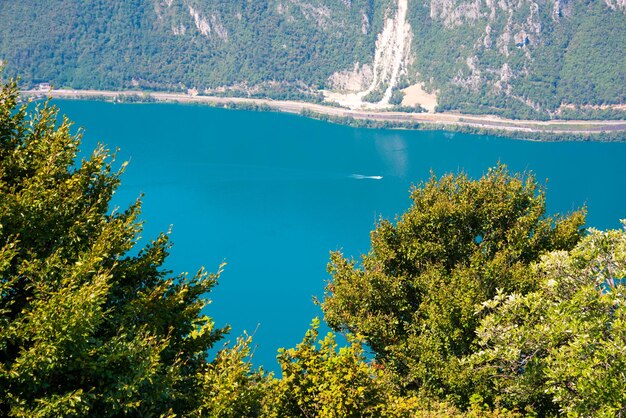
[
  {"x": 473, "y": 303},
  {"x": 521, "y": 59},
  {"x": 162, "y": 45}
]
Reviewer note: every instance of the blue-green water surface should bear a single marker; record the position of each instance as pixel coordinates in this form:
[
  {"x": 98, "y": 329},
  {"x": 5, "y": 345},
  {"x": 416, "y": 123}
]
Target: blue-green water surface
[{"x": 271, "y": 194}]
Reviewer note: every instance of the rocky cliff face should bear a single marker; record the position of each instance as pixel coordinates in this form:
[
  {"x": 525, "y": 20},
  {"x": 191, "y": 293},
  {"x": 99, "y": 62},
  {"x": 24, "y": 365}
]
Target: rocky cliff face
[{"x": 532, "y": 55}]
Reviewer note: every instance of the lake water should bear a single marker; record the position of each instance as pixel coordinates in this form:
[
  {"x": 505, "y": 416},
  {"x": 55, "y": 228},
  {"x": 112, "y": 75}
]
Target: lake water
[{"x": 271, "y": 194}]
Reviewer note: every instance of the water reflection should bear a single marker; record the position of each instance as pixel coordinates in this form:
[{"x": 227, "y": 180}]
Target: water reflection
[{"x": 393, "y": 150}]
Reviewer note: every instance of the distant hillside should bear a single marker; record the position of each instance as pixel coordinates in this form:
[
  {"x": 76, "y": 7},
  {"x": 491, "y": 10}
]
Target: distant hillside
[{"x": 522, "y": 58}]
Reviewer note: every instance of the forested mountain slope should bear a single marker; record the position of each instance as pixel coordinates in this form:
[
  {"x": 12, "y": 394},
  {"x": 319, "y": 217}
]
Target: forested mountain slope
[
  {"x": 522, "y": 54},
  {"x": 519, "y": 58},
  {"x": 184, "y": 43}
]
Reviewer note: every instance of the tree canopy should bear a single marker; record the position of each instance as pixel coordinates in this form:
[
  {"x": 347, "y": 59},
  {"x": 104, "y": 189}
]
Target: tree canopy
[
  {"x": 89, "y": 325},
  {"x": 562, "y": 346},
  {"x": 415, "y": 294}
]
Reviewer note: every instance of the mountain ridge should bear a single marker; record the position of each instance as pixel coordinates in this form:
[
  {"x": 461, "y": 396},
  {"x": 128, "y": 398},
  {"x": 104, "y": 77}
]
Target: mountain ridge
[{"x": 527, "y": 59}]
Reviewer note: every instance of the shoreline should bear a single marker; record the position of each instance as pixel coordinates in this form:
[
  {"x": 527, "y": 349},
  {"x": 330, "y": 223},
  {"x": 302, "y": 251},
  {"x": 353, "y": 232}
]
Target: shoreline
[{"x": 444, "y": 121}]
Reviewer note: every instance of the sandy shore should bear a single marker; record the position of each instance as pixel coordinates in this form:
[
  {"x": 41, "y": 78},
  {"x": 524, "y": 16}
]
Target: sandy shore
[{"x": 438, "y": 119}]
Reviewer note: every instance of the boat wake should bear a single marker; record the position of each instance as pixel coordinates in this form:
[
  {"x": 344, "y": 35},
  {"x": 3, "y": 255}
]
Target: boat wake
[{"x": 362, "y": 177}]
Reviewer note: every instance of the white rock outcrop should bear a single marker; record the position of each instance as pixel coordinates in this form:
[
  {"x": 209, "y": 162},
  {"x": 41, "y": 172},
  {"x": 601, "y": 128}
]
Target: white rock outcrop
[{"x": 391, "y": 56}]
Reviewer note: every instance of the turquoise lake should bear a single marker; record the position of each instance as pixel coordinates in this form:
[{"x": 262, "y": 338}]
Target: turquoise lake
[{"x": 271, "y": 194}]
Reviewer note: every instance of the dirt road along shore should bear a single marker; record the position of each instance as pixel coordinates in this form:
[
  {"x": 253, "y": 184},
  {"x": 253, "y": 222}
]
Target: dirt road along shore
[{"x": 437, "y": 119}]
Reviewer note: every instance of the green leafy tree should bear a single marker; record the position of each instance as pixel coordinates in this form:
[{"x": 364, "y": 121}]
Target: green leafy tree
[
  {"x": 322, "y": 379},
  {"x": 414, "y": 297},
  {"x": 88, "y": 325},
  {"x": 230, "y": 386},
  {"x": 325, "y": 381},
  {"x": 396, "y": 97},
  {"x": 562, "y": 347}
]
